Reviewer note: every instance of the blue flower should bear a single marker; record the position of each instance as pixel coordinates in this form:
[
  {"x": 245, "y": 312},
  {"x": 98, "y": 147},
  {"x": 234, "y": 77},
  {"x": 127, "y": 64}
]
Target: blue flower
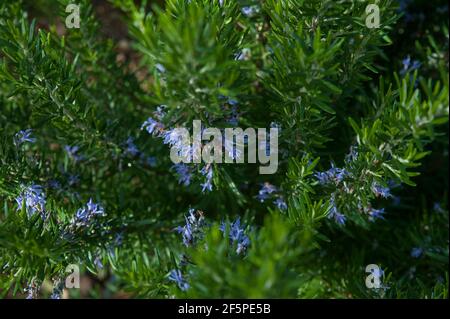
[
  {"x": 236, "y": 235},
  {"x": 53, "y": 183},
  {"x": 73, "y": 179},
  {"x": 160, "y": 68},
  {"x": 265, "y": 192},
  {"x": 55, "y": 295},
  {"x": 98, "y": 262},
  {"x": 322, "y": 177},
  {"x": 152, "y": 126},
  {"x": 23, "y": 136},
  {"x": 207, "y": 171},
  {"x": 131, "y": 148},
  {"x": 32, "y": 290},
  {"x": 184, "y": 173},
  {"x": 85, "y": 215},
  {"x": 148, "y": 160},
  {"x": 232, "y": 149},
  {"x": 175, "y": 138},
  {"x": 334, "y": 174},
  {"x": 408, "y": 67},
  {"x": 234, "y": 117},
  {"x": 58, "y": 288},
  {"x": 381, "y": 191},
  {"x": 353, "y": 155},
  {"x": 176, "y": 276},
  {"x": 193, "y": 229},
  {"x": 280, "y": 203},
  {"x": 242, "y": 55},
  {"x": 250, "y": 11},
  {"x": 72, "y": 152},
  {"x": 438, "y": 208},
  {"x": 376, "y": 213},
  {"x": 34, "y": 198},
  {"x": 416, "y": 252},
  {"x": 377, "y": 272},
  {"x": 334, "y": 212}
]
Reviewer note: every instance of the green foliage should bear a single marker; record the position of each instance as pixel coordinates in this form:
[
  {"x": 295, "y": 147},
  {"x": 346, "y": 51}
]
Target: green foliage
[{"x": 343, "y": 95}]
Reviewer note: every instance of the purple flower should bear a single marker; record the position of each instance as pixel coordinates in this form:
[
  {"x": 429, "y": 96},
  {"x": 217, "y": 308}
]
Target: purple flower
[
  {"x": 72, "y": 152},
  {"x": 232, "y": 150},
  {"x": 58, "y": 288},
  {"x": 118, "y": 240},
  {"x": 131, "y": 148},
  {"x": 184, "y": 173},
  {"x": 193, "y": 229},
  {"x": 176, "y": 276},
  {"x": 416, "y": 252},
  {"x": 378, "y": 272},
  {"x": 149, "y": 160},
  {"x": 280, "y": 203},
  {"x": 34, "y": 198},
  {"x": 236, "y": 235},
  {"x": 98, "y": 262},
  {"x": 242, "y": 55},
  {"x": 23, "y": 136},
  {"x": 334, "y": 174},
  {"x": 334, "y": 212},
  {"x": 408, "y": 66},
  {"x": 53, "y": 183},
  {"x": 175, "y": 138},
  {"x": 151, "y": 126},
  {"x": 32, "y": 290},
  {"x": 207, "y": 171},
  {"x": 234, "y": 117},
  {"x": 381, "y": 191},
  {"x": 250, "y": 11},
  {"x": 352, "y": 155},
  {"x": 55, "y": 296},
  {"x": 73, "y": 179},
  {"x": 376, "y": 213},
  {"x": 265, "y": 192},
  {"x": 160, "y": 67},
  {"x": 85, "y": 215}
]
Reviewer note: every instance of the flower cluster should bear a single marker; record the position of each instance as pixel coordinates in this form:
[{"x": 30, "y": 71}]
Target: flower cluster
[
  {"x": 23, "y": 136},
  {"x": 130, "y": 147},
  {"x": 207, "y": 171},
  {"x": 72, "y": 152},
  {"x": 375, "y": 213},
  {"x": 33, "y": 290},
  {"x": 380, "y": 191},
  {"x": 154, "y": 126},
  {"x": 250, "y": 11},
  {"x": 334, "y": 212},
  {"x": 236, "y": 234},
  {"x": 176, "y": 276},
  {"x": 174, "y": 138},
  {"x": 193, "y": 230},
  {"x": 84, "y": 216},
  {"x": 409, "y": 66},
  {"x": 269, "y": 191},
  {"x": 33, "y": 197},
  {"x": 184, "y": 173},
  {"x": 58, "y": 287},
  {"x": 334, "y": 175},
  {"x": 416, "y": 252}
]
